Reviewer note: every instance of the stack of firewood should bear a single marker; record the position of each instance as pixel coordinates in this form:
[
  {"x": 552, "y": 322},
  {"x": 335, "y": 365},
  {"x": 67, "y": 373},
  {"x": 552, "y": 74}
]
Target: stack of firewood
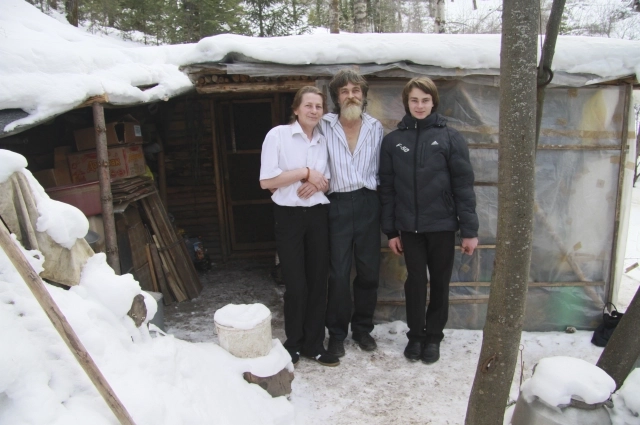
[{"x": 172, "y": 270}]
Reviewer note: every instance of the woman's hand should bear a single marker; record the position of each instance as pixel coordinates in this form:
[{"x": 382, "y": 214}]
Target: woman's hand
[
  {"x": 318, "y": 180},
  {"x": 307, "y": 190},
  {"x": 396, "y": 245}
]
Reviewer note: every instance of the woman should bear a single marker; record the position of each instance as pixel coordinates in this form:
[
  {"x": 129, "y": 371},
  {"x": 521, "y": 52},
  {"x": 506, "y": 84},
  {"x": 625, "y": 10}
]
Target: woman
[
  {"x": 426, "y": 189},
  {"x": 294, "y": 167}
]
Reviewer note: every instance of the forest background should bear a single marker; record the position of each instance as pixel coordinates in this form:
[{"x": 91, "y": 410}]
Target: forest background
[{"x": 186, "y": 21}]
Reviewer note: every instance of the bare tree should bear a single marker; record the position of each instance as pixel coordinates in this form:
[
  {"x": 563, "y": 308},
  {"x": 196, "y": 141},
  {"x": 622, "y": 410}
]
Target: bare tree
[
  {"x": 360, "y": 16},
  {"x": 623, "y": 349},
  {"x": 440, "y": 19},
  {"x": 334, "y": 17},
  {"x": 516, "y": 182},
  {"x": 71, "y": 7}
]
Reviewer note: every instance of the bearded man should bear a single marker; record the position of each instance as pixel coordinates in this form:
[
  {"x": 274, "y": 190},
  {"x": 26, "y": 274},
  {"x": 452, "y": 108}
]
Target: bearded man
[{"x": 353, "y": 140}]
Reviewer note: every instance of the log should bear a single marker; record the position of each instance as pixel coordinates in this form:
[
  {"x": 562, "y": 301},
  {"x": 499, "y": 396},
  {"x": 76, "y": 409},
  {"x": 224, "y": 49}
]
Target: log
[{"x": 37, "y": 287}]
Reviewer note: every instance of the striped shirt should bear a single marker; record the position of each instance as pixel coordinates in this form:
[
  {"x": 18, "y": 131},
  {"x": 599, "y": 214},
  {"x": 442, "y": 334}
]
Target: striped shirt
[{"x": 349, "y": 171}]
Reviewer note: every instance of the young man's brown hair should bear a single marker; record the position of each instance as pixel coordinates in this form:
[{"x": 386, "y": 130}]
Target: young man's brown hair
[{"x": 425, "y": 84}]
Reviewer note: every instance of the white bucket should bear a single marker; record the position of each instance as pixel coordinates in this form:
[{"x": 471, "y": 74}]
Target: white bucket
[{"x": 245, "y": 341}]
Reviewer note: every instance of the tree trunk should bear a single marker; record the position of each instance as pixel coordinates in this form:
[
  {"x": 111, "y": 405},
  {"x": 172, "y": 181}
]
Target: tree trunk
[
  {"x": 440, "y": 17},
  {"x": 334, "y": 17},
  {"x": 360, "y": 16},
  {"x": 516, "y": 183},
  {"x": 546, "y": 58},
  {"x": 71, "y": 6},
  {"x": 623, "y": 348}
]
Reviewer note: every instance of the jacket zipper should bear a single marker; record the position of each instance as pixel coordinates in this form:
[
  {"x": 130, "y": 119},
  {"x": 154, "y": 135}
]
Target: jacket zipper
[{"x": 415, "y": 175}]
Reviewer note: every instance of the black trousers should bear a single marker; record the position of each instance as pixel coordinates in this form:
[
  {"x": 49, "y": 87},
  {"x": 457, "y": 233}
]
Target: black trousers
[
  {"x": 354, "y": 232},
  {"x": 302, "y": 241},
  {"x": 436, "y": 251}
]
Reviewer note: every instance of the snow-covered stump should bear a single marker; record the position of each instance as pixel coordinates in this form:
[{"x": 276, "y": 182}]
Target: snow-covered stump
[
  {"x": 245, "y": 331},
  {"x": 565, "y": 391}
]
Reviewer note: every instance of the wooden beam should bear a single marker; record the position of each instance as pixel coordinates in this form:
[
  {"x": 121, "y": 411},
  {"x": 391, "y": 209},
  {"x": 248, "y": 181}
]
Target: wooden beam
[
  {"x": 103, "y": 98},
  {"x": 624, "y": 149},
  {"x": 553, "y": 147},
  {"x": 37, "y": 287},
  {"x": 217, "y": 180},
  {"x": 104, "y": 178},
  {"x": 274, "y": 86}
]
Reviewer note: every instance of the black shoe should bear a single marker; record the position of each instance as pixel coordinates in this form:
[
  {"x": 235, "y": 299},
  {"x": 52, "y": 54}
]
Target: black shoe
[
  {"x": 413, "y": 350},
  {"x": 431, "y": 353},
  {"x": 335, "y": 347},
  {"x": 365, "y": 341},
  {"x": 325, "y": 359},
  {"x": 295, "y": 356}
]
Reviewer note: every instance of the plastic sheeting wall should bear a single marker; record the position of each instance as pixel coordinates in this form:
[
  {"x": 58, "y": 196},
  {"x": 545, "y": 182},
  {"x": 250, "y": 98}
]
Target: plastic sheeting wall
[{"x": 576, "y": 190}]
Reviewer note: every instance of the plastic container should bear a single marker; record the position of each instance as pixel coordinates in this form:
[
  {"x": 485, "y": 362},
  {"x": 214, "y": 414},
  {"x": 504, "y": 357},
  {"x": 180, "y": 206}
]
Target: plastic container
[
  {"x": 246, "y": 341},
  {"x": 84, "y": 196}
]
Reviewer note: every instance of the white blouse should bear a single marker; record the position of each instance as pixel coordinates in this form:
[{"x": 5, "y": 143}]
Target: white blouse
[{"x": 287, "y": 148}]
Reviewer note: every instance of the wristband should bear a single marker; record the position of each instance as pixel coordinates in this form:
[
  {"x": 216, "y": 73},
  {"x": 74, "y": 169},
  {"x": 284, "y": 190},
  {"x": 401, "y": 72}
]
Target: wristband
[{"x": 304, "y": 180}]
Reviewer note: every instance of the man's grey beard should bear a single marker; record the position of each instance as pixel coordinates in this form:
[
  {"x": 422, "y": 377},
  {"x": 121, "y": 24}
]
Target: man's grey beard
[{"x": 351, "y": 112}]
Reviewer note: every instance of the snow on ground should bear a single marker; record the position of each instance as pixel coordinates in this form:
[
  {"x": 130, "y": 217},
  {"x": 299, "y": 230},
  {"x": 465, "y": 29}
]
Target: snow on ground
[
  {"x": 380, "y": 387},
  {"x": 186, "y": 378}
]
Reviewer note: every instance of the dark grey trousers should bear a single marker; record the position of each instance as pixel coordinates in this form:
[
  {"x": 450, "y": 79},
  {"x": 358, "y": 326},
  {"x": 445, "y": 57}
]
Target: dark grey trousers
[{"x": 354, "y": 233}]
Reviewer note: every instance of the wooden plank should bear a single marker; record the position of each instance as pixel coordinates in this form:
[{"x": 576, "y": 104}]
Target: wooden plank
[
  {"x": 154, "y": 280},
  {"x": 37, "y": 287},
  {"x": 182, "y": 262},
  {"x": 162, "y": 281},
  {"x": 274, "y": 86},
  {"x": 173, "y": 284}
]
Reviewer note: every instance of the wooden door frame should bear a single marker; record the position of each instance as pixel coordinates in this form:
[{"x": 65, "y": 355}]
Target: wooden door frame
[{"x": 231, "y": 243}]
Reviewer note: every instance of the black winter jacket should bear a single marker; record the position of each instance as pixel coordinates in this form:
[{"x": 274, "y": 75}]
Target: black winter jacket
[{"x": 426, "y": 179}]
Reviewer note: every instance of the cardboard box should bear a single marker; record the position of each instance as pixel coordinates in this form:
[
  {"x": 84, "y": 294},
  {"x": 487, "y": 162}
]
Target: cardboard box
[
  {"x": 124, "y": 131},
  {"x": 124, "y": 162},
  {"x": 60, "y": 157},
  {"x": 53, "y": 177},
  {"x": 85, "y": 197}
]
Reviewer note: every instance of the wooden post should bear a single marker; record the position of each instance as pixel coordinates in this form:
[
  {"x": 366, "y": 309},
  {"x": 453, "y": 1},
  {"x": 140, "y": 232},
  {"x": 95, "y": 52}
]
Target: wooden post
[
  {"x": 54, "y": 314},
  {"x": 104, "y": 178},
  {"x": 162, "y": 174},
  {"x": 624, "y": 149},
  {"x": 217, "y": 175}
]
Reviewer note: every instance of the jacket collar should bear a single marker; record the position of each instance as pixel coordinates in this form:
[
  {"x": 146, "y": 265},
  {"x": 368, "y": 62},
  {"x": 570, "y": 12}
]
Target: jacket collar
[{"x": 434, "y": 119}]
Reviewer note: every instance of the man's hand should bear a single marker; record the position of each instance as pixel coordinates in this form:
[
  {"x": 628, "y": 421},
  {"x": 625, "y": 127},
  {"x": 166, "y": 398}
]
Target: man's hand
[
  {"x": 469, "y": 245},
  {"x": 318, "y": 179},
  {"x": 396, "y": 245},
  {"x": 306, "y": 190}
]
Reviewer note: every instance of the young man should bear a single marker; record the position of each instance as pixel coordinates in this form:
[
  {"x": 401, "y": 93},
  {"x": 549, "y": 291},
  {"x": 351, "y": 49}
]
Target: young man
[
  {"x": 426, "y": 189},
  {"x": 353, "y": 140}
]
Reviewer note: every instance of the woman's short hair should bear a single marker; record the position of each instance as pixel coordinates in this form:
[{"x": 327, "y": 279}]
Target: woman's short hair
[
  {"x": 297, "y": 100},
  {"x": 341, "y": 79},
  {"x": 425, "y": 84}
]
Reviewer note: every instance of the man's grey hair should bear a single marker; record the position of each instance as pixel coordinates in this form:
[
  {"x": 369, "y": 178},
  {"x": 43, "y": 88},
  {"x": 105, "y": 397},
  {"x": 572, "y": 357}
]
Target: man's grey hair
[{"x": 341, "y": 79}]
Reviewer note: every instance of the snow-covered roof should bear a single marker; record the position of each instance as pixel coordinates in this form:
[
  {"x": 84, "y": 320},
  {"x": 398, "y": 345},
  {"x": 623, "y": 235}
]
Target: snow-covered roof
[{"x": 49, "y": 67}]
